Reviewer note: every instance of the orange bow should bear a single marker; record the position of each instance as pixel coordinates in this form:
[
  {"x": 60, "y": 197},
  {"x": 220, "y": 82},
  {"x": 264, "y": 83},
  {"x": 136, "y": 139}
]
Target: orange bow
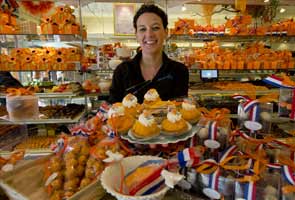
[{"x": 18, "y": 92}]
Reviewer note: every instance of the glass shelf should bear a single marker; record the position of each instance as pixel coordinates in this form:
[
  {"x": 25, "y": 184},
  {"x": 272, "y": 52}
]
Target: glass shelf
[
  {"x": 6, "y": 39},
  {"x": 45, "y": 121},
  {"x": 230, "y": 38},
  {"x": 228, "y": 92}
]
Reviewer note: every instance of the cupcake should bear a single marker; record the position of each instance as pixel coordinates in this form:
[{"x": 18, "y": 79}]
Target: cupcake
[
  {"x": 151, "y": 97},
  {"x": 174, "y": 124},
  {"x": 118, "y": 119},
  {"x": 130, "y": 104},
  {"x": 189, "y": 112},
  {"x": 145, "y": 126}
]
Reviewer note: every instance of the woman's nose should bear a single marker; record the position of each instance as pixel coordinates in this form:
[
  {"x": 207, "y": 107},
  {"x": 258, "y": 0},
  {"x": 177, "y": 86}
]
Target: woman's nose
[{"x": 149, "y": 32}]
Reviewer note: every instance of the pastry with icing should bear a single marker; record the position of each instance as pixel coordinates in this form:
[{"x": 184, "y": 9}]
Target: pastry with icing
[
  {"x": 145, "y": 126},
  {"x": 131, "y": 105},
  {"x": 189, "y": 112},
  {"x": 174, "y": 124},
  {"x": 118, "y": 119}
]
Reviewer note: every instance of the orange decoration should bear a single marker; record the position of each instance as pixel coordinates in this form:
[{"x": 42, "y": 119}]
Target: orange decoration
[{"x": 36, "y": 7}]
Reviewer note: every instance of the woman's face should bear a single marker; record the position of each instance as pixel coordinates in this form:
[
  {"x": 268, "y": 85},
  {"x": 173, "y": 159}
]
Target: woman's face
[{"x": 150, "y": 33}]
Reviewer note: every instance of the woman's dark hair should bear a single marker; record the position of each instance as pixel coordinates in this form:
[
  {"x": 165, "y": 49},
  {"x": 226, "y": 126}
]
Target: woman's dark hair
[{"x": 150, "y": 8}]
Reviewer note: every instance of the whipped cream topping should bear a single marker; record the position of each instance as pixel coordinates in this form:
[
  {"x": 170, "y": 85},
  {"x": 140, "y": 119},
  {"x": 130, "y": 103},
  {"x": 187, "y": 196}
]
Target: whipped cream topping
[
  {"x": 151, "y": 95},
  {"x": 116, "y": 110},
  {"x": 129, "y": 101},
  {"x": 146, "y": 120},
  {"x": 174, "y": 116},
  {"x": 188, "y": 106}
]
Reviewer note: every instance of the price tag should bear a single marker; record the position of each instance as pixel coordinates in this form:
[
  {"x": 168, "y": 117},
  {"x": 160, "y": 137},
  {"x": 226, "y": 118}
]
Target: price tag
[
  {"x": 211, "y": 193},
  {"x": 254, "y": 126},
  {"x": 212, "y": 144}
]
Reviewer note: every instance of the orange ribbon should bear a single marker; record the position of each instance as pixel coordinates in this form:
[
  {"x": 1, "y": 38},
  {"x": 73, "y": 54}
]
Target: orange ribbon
[
  {"x": 216, "y": 114},
  {"x": 286, "y": 80},
  {"x": 18, "y": 92},
  {"x": 288, "y": 189},
  {"x": 211, "y": 166}
]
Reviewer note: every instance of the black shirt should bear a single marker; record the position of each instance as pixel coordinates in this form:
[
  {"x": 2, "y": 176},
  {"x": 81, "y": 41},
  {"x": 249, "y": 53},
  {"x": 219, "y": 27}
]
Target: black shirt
[
  {"x": 171, "y": 81},
  {"x": 7, "y": 80}
]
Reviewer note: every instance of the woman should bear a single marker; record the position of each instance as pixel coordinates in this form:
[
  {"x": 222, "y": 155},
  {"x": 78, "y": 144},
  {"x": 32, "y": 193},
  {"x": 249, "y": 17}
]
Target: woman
[{"x": 150, "y": 68}]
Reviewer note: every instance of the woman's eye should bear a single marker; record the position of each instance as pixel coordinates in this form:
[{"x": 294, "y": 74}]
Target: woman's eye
[
  {"x": 142, "y": 29},
  {"x": 156, "y": 28}
]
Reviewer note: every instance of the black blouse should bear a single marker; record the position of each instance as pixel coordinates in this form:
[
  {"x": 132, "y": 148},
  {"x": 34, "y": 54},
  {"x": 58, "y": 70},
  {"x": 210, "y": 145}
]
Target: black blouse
[{"x": 171, "y": 81}]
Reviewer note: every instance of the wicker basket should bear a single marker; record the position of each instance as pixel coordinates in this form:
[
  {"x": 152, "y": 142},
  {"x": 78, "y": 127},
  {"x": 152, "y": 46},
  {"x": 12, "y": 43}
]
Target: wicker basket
[{"x": 26, "y": 182}]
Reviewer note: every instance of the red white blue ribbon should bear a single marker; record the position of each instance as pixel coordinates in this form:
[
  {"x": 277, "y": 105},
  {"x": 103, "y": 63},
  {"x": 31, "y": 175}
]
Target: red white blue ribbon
[
  {"x": 250, "y": 191},
  {"x": 277, "y": 82},
  {"x": 213, "y": 130},
  {"x": 80, "y": 130},
  {"x": 188, "y": 157},
  {"x": 103, "y": 110},
  {"x": 214, "y": 177},
  {"x": 240, "y": 97},
  {"x": 109, "y": 131},
  {"x": 288, "y": 174}
]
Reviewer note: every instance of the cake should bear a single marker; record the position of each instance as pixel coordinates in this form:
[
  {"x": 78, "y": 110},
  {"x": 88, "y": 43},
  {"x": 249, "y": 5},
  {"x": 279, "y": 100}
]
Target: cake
[
  {"x": 174, "y": 124},
  {"x": 130, "y": 104},
  {"x": 189, "y": 112},
  {"x": 118, "y": 119},
  {"x": 145, "y": 126}
]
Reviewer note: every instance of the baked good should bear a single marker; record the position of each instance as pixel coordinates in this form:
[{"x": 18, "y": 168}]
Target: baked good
[
  {"x": 189, "y": 112},
  {"x": 118, "y": 119},
  {"x": 174, "y": 124},
  {"x": 145, "y": 126},
  {"x": 151, "y": 97},
  {"x": 130, "y": 104}
]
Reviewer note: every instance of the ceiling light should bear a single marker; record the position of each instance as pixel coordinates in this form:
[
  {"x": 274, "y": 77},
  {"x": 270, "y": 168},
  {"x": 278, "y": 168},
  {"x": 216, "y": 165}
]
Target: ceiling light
[
  {"x": 266, "y": 1},
  {"x": 183, "y": 8},
  {"x": 282, "y": 10}
]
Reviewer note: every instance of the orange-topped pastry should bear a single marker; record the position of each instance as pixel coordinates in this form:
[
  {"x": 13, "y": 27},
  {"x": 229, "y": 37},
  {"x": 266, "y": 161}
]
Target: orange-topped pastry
[
  {"x": 145, "y": 126},
  {"x": 130, "y": 104},
  {"x": 118, "y": 119},
  {"x": 189, "y": 112},
  {"x": 174, "y": 124},
  {"x": 151, "y": 97}
]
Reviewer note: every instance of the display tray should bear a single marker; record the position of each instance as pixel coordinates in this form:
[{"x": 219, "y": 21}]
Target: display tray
[
  {"x": 26, "y": 182},
  {"x": 162, "y": 138}
]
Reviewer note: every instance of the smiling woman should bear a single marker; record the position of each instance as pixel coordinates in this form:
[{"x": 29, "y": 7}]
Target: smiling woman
[{"x": 151, "y": 65}]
